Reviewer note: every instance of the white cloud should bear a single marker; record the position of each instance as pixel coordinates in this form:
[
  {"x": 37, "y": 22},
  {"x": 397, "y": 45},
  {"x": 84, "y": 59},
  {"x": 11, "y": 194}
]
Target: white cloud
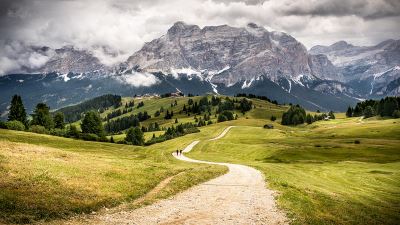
[
  {"x": 115, "y": 29},
  {"x": 137, "y": 79}
]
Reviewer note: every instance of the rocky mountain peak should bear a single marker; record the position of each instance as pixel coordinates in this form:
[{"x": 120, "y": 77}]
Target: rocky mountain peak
[
  {"x": 180, "y": 28},
  {"x": 340, "y": 45},
  {"x": 71, "y": 59},
  {"x": 248, "y": 52}
]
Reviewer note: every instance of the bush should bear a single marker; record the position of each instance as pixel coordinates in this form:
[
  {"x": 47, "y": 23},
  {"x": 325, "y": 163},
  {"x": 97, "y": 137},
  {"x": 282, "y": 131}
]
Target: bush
[
  {"x": 59, "y": 132},
  {"x": 273, "y": 118},
  {"x": 122, "y": 142},
  {"x": 221, "y": 118},
  {"x": 73, "y": 131},
  {"x": 357, "y": 142},
  {"x": 15, "y": 125},
  {"x": 38, "y": 129},
  {"x": 89, "y": 137},
  {"x": 3, "y": 125},
  {"x": 156, "y": 140},
  {"x": 396, "y": 114},
  {"x": 103, "y": 139}
]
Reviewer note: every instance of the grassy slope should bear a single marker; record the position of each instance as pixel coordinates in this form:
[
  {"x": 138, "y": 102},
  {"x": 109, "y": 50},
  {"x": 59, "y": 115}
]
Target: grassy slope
[
  {"x": 322, "y": 175},
  {"x": 46, "y": 177},
  {"x": 263, "y": 110}
]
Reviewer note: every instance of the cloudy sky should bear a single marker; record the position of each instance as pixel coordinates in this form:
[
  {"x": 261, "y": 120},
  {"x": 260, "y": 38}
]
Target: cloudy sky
[{"x": 122, "y": 26}]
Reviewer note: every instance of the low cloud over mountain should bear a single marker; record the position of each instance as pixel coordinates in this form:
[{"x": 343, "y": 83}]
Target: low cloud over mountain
[{"x": 113, "y": 30}]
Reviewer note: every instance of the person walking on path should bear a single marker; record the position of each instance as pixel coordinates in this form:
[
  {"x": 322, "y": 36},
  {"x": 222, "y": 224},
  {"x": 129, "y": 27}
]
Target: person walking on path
[
  {"x": 177, "y": 152},
  {"x": 180, "y": 151}
]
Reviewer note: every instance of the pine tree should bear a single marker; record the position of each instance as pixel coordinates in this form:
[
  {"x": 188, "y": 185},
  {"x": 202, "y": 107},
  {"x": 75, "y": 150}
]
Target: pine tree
[
  {"x": 389, "y": 106},
  {"x": 309, "y": 119},
  {"x": 331, "y": 115},
  {"x": 295, "y": 115},
  {"x": 17, "y": 110},
  {"x": 73, "y": 131},
  {"x": 41, "y": 116},
  {"x": 368, "y": 112},
  {"x": 91, "y": 124},
  {"x": 59, "y": 120},
  {"x": 135, "y": 136},
  {"x": 349, "y": 112}
]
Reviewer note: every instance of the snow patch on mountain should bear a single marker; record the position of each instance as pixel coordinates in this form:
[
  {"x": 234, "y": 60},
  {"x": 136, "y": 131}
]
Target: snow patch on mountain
[
  {"x": 298, "y": 79},
  {"x": 211, "y": 74},
  {"x": 247, "y": 84},
  {"x": 79, "y": 76},
  {"x": 376, "y": 75},
  {"x": 65, "y": 77}
]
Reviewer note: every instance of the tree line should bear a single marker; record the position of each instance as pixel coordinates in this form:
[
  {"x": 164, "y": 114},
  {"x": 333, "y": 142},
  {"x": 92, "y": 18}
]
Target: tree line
[
  {"x": 385, "y": 107},
  {"x": 101, "y": 103},
  {"x": 265, "y": 98},
  {"x": 123, "y": 123},
  {"x": 297, "y": 115}
]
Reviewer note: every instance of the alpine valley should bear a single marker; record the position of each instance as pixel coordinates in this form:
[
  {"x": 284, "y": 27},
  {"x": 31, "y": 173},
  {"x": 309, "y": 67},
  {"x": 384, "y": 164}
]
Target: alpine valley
[{"x": 215, "y": 59}]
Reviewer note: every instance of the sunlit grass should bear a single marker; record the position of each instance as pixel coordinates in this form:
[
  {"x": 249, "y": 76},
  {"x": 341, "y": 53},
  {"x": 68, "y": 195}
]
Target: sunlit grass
[
  {"x": 322, "y": 175},
  {"x": 44, "y": 177}
]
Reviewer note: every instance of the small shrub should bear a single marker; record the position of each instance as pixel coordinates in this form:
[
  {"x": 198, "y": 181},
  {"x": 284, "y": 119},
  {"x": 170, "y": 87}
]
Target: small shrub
[
  {"x": 38, "y": 129},
  {"x": 73, "y": 131},
  {"x": 89, "y": 137},
  {"x": 122, "y": 142},
  {"x": 3, "y": 125},
  {"x": 59, "y": 132},
  {"x": 103, "y": 139},
  {"x": 15, "y": 125},
  {"x": 273, "y": 118},
  {"x": 357, "y": 142},
  {"x": 396, "y": 114},
  {"x": 222, "y": 118}
]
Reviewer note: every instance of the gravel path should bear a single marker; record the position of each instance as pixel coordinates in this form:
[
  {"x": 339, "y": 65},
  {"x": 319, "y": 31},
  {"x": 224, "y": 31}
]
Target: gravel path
[{"x": 238, "y": 197}]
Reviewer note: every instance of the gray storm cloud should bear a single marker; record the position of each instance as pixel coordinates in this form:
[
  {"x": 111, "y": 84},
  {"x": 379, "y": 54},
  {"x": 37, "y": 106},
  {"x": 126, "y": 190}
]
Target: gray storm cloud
[{"x": 113, "y": 30}]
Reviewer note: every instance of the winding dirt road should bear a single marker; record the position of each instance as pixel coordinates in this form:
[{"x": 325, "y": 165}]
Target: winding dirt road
[{"x": 238, "y": 197}]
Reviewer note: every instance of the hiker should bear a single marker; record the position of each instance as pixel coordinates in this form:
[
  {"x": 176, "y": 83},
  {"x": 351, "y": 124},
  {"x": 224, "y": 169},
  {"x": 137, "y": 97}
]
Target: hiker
[
  {"x": 180, "y": 151},
  {"x": 177, "y": 152}
]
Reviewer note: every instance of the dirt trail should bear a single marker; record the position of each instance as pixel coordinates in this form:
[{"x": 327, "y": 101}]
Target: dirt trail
[{"x": 238, "y": 197}]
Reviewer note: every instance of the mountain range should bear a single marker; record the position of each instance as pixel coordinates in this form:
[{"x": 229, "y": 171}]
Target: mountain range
[{"x": 219, "y": 59}]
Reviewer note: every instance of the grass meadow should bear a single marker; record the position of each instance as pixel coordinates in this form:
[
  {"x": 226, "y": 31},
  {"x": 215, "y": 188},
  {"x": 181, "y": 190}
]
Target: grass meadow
[
  {"x": 45, "y": 177},
  {"x": 343, "y": 171}
]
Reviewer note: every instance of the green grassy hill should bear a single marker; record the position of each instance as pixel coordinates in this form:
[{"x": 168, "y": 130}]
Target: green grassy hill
[
  {"x": 44, "y": 177},
  {"x": 263, "y": 110},
  {"x": 343, "y": 171}
]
